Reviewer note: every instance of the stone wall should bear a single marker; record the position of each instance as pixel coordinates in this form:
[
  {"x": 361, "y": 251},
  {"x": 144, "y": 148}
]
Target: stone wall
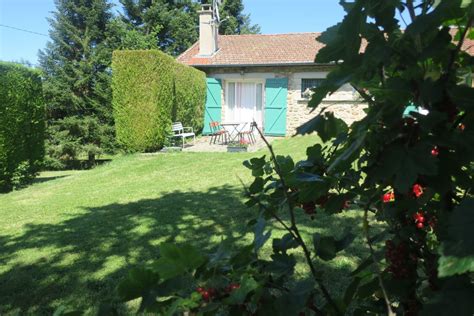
[{"x": 344, "y": 103}]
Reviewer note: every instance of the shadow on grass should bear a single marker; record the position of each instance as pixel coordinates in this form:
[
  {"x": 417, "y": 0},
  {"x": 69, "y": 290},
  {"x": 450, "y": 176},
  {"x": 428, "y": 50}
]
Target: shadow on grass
[
  {"x": 46, "y": 179},
  {"x": 80, "y": 261}
]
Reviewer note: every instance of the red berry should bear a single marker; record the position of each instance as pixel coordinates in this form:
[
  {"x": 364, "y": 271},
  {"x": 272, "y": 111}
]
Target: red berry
[
  {"x": 388, "y": 197},
  {"x": 417, "y": 190},
  {"x": 234, "y": 286},
  {"x": 205, "y": 295},
  {"x": 200, "y": 289},
  {"x": 435, "y": 152},
  {"x": 462, "y": 127},
  {"x": 420, "y": 225}
]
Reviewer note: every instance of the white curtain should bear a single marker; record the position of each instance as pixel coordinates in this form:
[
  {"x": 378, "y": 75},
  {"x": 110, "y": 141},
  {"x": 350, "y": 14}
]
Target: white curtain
[{"x": 244, "y": 102}]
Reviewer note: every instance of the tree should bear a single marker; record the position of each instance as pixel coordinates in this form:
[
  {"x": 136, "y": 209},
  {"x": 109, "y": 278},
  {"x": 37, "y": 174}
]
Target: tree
[
  {"x": 174, "y": 24},
  {"x": 234, "y": 20},
  {"x": 410, "y": 173},
  {"x": 75, "y": 63}
]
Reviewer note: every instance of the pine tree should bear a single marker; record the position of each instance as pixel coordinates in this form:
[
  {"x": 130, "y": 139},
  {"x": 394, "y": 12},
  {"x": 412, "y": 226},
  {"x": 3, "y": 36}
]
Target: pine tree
[
  {"x": 75, "y": 62},
  {"x": 76, "y": 71}
]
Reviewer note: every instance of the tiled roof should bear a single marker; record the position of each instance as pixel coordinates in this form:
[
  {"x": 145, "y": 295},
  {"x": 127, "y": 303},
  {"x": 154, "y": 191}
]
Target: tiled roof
[
  {"x": 258, "y": 49},
  {"x": 297, "y": 48}
]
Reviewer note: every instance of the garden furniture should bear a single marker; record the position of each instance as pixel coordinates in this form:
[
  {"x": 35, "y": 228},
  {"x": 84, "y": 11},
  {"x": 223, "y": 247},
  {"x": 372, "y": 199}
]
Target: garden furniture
[
  {"x": 217, "y": 133},
  {"x": 234, "y": 129},
  {"x": 248, "y": 133},
  {"x": 180, "y": 132}
]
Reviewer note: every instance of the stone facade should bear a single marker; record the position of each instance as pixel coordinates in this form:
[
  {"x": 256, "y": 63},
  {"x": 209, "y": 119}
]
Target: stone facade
[{"x": 345, "y": 103}]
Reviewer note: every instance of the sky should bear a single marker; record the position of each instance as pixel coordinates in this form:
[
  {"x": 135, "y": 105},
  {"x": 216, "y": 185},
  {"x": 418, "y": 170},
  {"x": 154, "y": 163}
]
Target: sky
[{"x": 273, "y": 16}]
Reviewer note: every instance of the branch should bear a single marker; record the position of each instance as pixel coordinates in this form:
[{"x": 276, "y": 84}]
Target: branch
[
  {"x": 377, "y": 267},
  {"x": 294, "y": 227}
]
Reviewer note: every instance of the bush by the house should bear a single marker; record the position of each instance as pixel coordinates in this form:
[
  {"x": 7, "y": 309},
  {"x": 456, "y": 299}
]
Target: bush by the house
[
  {"x": 22, "y": 125},
  {"x": 150, "y": 90}
]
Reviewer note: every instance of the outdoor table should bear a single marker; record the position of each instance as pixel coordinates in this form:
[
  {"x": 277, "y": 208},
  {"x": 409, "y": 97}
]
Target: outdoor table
[{"x": 234, "y": 129}]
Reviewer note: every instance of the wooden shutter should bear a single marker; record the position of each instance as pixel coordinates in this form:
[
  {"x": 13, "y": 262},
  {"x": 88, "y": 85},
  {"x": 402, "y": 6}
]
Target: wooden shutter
[
  {"x": 276, "y": 93},
  {"x": 213, "y": 109}
]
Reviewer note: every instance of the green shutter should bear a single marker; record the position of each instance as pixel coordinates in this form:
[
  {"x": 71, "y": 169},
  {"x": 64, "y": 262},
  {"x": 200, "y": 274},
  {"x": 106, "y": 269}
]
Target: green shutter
[
  {"x": 213, "y": 110},
  {"x": 276, "y": 92}
]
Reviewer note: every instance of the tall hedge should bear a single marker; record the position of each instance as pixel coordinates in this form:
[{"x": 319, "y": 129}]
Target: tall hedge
[
  {"x": 150, "y": 91},
  {"x": 22, "y": 125}
]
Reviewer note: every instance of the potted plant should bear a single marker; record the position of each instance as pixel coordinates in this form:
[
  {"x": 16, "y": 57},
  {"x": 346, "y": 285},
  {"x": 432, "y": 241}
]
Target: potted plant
[{"x": 238, "y": 146}]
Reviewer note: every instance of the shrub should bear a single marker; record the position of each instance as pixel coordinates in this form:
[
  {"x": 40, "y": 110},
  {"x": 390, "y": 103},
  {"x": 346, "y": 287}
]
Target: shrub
[
  {"x": 73, "y": 137},
  {"x": 22, "y": 125},
  {"x": 150, "y": 90}
]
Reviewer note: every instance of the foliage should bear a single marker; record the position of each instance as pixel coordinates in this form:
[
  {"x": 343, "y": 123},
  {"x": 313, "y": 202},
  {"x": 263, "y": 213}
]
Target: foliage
[
  {"x": 413, "y": 174},
  {"x": 76, "y": 70},
  {"x": 21, "y": 125},
  {"x": 172, "y": 25},
  {"x": 150, "y": 91},
  {"x": 234, "y": 21},
  {"x": 74, "y": 137}
]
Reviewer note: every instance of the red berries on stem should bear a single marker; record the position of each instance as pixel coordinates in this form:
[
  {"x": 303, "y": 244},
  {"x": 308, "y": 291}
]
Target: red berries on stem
[{"x": 209, "y": 294}]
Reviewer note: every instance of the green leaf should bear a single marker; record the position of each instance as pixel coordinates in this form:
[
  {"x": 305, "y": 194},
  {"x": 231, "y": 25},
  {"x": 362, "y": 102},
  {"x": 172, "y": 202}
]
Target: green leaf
[
  {"x": 284, "y": 243},
  {"x": 326, "y": 125},
  {"x": 247, "y": 285},
  {"x": 260, "y": 236},
  {"x": 462, "y": 96},
  {"x": 454, "y": 298},
  {"x": 282, "y": 264},
  {"x": 325, "y": 247},
  {"x": 351, "y": 290},
  {"x": 176, "y": 260},
  {"x": 308, "y": 177},
  {"x": 138, "y": 282},
  {"x": 458, "y": 249},
  {"x": 257, "y": 185},
  {"x": 295, "y": 300}
]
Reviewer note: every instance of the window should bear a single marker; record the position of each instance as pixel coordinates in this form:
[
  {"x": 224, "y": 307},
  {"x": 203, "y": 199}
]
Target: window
[
  {"x": 244, "y": 102},
  {"x": 308, "y": 84}
]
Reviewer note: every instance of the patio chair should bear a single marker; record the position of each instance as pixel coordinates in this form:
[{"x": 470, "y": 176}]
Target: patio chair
[
  {"x": 249, "y": 133},
  {"x": 180, "y": 132},
  {"x": 217, "y": 133}
]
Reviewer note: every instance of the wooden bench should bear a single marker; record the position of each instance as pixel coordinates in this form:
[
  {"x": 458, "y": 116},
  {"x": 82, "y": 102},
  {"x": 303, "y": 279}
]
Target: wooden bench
[{"x": 183, "y": 132}]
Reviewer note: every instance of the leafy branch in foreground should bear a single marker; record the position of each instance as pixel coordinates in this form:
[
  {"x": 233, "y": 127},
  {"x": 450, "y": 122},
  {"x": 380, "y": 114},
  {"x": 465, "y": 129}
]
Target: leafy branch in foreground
[{"x": 407, "y": 168}]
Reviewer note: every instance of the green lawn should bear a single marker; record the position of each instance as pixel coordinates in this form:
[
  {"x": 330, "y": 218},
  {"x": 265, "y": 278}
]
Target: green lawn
[{"x": 70, "y": 237}]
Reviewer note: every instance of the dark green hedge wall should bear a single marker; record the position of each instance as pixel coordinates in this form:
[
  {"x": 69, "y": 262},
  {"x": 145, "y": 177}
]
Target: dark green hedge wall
[
  {"x": 150, "y": 91},
  {"x": 22, "y": 125}
]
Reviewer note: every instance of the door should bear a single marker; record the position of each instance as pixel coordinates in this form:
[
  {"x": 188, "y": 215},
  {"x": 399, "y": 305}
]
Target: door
[
  {"x": 213, "y": 108},
  {"x": 245, "y": 102},
  {"x": 276, "y": 94}
]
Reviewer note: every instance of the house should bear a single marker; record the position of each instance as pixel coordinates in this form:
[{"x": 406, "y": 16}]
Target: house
[{"x": 263, "y": 78}]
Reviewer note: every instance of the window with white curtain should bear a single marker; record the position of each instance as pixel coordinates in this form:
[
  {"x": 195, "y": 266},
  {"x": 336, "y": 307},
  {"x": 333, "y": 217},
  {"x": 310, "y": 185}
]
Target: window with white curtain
[{"x": 245, "y": 102}]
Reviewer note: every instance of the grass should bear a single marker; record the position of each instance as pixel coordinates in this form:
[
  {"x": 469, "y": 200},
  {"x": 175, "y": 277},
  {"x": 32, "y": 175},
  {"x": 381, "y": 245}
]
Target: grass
[{"x": 70, "y": 238}]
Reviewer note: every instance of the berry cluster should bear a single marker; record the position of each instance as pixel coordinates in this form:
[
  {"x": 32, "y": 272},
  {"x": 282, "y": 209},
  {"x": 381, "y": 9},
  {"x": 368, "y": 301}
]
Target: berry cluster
[
  {"x": 419, "y": 219},
  {"x": 402, "y": 264},
  {"x": 209, "y": 294}
]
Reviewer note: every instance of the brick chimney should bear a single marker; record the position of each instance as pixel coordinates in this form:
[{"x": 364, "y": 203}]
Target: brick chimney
[{"x": 208, "y": 31}]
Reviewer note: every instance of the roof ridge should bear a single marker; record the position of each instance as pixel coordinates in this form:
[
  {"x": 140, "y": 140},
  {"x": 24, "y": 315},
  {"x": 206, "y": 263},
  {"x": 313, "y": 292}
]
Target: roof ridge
[{"x": 274, "y": 34}]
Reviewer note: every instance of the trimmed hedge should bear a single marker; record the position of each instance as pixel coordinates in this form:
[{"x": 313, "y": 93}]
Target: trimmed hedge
[
  {"x": 22, "y": 125},
  {"x": 150, "y": 91}
]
